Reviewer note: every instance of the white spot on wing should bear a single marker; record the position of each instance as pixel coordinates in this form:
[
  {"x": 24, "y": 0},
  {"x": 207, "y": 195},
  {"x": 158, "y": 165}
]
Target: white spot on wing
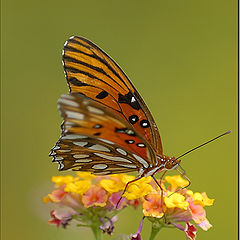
[
  {"x": 130, "y": 132},
  {"x": 126, "y": 165},
  {"x": 106, "y": 141},
  {"x": 121, "y": 151},
  {"x": 63, "y": 151},
  {"x": 68, "y": 102},
  {"x": 100, "y": 166},
  {"x": 58, "y": 158},
  {"x": 60, "y": 165},
  {"x": 141, "y": 145},
  {"x": 80, "y": 156},
  {"x": 98, "y": 147},
  {"x": 141, "y": 160},
  {"x": 102, "y": 173},
  {"x": 118, "y": 159},
  {"x": 95, "y": 110},
  {"x": 75, "y": 115},
  {"x": 66, "y": 43},
  {"x": 73, "y": 136},
  {"x": 133, "y": 99},
  {"x": 81, "y": 144},
  {"x": 68, "y": 96},
  {"x": 56, "y": 148},
  {"x": 83, "y": 160}
]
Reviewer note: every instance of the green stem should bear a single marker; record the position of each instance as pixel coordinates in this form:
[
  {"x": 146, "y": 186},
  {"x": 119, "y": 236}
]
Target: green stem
[
  {"x": 156, "y": 227},
  {"x": 97, "y": 232}
]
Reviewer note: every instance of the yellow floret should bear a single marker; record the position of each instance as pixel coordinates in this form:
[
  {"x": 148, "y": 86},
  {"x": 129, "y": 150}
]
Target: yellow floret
[
  {"x": 85, "y": 175},
  {"x": 175, "y": 200},
  {"x": 61, "y": 180},
  {"x": 111, "y": 186},
  {"x": 124, "y": 178},
  {"x": 46, "y": 199},
  {"x": 116, "y": 183},
  {"x": 202, "y": 199},
  {"x": 190, "y": 192},
  {"x": 138, "y": 189},
  {"x": 78, "y": 187},
  {"x": 176, "y": 181}
]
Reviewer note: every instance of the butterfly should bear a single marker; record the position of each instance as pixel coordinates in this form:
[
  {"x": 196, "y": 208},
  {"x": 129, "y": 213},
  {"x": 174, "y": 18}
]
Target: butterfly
[{"x": 107, "y": 128}]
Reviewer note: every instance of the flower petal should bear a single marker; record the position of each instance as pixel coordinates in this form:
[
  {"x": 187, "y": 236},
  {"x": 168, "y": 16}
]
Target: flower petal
[
  {"x": 138, "y": 189},
  {"x": 78, "y": 187},
  {"x": 108, "y": 226},
  {"x": 61, "y": 216},
  {"x": 177, "y": 200},
  {"x": 152, "y": 206},
  {"x": 95, "y": 196},
  {"x": 205, "y": 225},
  {"x": 61, "y": 180},
  {"x": 190, "y": 231},
  {"x": 137, "y": 235},
  {"x": 115, "y": 197},
  {"x": 176, "y": 181}
]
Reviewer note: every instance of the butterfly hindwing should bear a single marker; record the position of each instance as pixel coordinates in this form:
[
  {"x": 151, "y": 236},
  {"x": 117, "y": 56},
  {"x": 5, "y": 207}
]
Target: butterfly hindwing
[
  {"x": 95, "y": 139},
  {"x": 93, "y": 73}
]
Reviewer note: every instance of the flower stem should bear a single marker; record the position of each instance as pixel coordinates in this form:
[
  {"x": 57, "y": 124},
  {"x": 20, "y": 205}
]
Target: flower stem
[
  {"x": 156, "y": 227},
  {"x": 97, "y": 232}
]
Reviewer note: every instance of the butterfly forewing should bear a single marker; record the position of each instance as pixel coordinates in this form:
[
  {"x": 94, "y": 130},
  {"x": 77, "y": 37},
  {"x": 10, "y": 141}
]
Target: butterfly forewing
[
  {"x": 94, "y": 139},
  {"x": 93, "y": 73}
]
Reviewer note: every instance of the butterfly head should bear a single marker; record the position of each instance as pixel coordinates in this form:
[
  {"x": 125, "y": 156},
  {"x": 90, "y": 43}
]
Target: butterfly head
[{"x": 170, "y": 163}]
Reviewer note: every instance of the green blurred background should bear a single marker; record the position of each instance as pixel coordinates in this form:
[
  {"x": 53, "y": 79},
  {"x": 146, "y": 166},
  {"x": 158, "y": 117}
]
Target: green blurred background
[{"x": 180, "y": 55}]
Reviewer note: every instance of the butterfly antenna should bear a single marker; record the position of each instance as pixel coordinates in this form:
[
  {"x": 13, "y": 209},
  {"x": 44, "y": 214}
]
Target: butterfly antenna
[{"x": 203, "y": 144}]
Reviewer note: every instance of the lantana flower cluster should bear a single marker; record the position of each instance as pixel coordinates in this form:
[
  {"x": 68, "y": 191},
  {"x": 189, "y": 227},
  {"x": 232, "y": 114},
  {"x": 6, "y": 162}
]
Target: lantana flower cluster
[{"x": 93, "y": 201}]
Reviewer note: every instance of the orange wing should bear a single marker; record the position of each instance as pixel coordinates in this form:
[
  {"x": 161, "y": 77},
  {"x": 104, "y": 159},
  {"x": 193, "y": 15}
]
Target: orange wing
[
  {"x": 94, "y": 139},
  {"x": 93, "y": 73}
]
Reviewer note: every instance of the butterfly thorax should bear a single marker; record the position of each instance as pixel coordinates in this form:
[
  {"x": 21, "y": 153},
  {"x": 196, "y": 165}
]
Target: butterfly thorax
[{"x": 163, "y": 163}]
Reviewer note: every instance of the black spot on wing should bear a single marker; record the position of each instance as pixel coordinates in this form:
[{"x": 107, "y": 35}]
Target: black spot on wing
[
  {"x": 120, "y": 130},
  {"x": 144, "y": 123},
  {"x": 129, "y": 99},
  {"x": 103, "y": 94},
  {"x": 133, "y": 119},
  {"x": 97, "y": 134},
  {"x": 127, "y": 131}
]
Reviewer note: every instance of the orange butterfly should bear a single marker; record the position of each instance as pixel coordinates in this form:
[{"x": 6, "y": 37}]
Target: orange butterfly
[{"x": 107, "y": 127}]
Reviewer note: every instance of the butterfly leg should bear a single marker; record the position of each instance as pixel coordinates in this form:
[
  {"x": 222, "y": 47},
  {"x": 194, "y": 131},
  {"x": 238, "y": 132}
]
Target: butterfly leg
[
  {"x": 134, "y": 180},
  {"x": 159, "y": 185},
  {"x": 184, "y": 176}
]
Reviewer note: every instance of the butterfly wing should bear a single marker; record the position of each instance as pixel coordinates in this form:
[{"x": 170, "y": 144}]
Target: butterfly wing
[
  {"x": 93, "y": 73},
  {"x": 94, "y": 139}
]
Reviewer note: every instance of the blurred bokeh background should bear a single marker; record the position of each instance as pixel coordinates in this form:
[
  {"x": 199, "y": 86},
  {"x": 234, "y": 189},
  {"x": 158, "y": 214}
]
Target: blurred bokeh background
[{"x": 180, "y": 55}]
